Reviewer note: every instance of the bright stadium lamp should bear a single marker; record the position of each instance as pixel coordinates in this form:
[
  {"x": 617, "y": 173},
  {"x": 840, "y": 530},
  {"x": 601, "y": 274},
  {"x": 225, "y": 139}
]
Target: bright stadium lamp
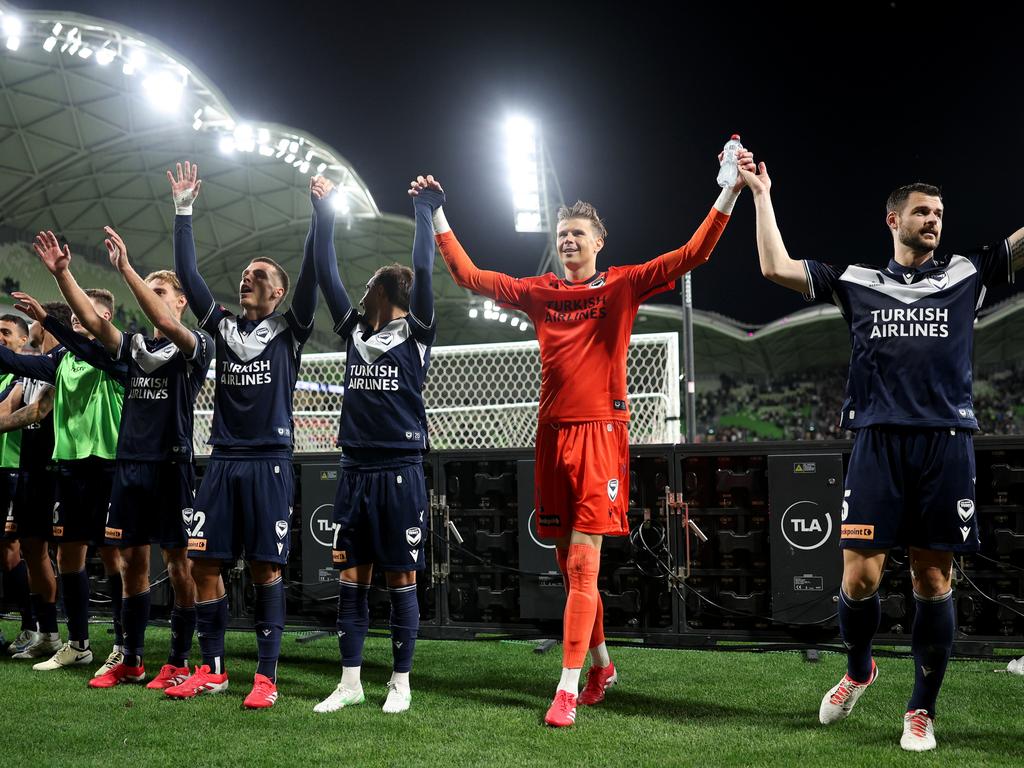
[
  {"x": 104, "y": 55},
  {"x": 12, "y": 31},
  {"x": 164, "y": 91},
  {"x": 534, "y": 186}
]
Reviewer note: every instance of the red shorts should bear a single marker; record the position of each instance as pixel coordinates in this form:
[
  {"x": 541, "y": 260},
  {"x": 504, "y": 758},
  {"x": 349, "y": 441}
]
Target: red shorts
[{"x": 582, "y": 478}]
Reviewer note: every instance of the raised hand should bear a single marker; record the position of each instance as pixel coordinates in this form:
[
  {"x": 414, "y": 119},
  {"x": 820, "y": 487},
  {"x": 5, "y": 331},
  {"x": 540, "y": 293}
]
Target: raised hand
[
  {"x": 744, "y": 160},
  {"x": 49, "y": 252},
  {"x": 29, "y": 306},
  {"x": 759, "y": 182},
  {"x": 424, "y": 182},
  {"x": 116, "y": 250},
  {"x": 185, "y": 187},
  {"x": 320, "y": 187}
]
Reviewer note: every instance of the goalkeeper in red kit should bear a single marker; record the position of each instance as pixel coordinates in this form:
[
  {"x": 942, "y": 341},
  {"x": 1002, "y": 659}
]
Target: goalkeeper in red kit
[{"x": 583, "y": 326}]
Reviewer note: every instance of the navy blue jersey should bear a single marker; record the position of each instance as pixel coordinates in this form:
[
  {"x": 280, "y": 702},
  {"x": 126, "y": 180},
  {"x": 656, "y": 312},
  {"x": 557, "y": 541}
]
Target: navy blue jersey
[
  {"x": 384, "y": 376},
  {"x": 257, "y": 366},
  {"x": 912, "y": 335},
  {"x": 37, "y": 439},
  {"x": 156, "y": 419}
]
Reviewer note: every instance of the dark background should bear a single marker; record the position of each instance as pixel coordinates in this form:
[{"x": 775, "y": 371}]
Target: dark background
[{"x": 843, "y": 101}]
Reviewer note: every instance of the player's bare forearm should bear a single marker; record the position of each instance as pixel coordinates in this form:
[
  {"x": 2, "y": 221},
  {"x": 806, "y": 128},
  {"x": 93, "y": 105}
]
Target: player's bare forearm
[
  {"x": 29, "y": 414},
  {"x": 81, "y": 305},
  {"x": 776, "y": 264},
  {"x": 12, "y": 402},
  {"x": 1017, "y": 250},
  {"x": 158, "y": 312}
]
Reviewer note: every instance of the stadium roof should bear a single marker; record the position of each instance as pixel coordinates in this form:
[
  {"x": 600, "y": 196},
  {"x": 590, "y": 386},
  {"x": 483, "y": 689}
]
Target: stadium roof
[{"x": 91, "y": 115}]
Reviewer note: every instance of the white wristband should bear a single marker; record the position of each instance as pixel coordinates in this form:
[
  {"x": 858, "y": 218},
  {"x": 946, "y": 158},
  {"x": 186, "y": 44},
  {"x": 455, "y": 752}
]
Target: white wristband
[
  {"x": 440, "y": 222},
  {"x": 183, "y": 210},
  {"x": 727, "y": 200}
]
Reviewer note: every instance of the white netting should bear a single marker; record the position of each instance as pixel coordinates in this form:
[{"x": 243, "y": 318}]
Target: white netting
[{"x": 479, "y": 396}]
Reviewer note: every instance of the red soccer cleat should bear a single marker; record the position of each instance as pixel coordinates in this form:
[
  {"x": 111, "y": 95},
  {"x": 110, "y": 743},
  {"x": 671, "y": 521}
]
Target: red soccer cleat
[
  {"x": 599, "y": 680},
  {"x": 263, "y": 693},
  {"x": 119, "y": 673},
  {"x": 201, "y": 682},
  {"x": 562, "y": 711},
  {"x": 168, "y": 677}
]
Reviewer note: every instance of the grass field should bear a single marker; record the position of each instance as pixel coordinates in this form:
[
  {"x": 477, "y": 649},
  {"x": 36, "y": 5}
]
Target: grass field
[{"x": 481, "y": 703}]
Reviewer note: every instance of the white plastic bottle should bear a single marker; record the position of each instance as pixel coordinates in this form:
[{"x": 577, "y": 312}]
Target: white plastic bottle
[{"x": 729, "y": 171}]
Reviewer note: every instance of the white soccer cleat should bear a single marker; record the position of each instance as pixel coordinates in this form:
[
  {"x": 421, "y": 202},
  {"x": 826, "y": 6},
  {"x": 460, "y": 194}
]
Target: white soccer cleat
[
  {"x": 115, "y": 658},
  {"x": 25, "y": 639},
  {"x": 43, "y": 648},
  {"x": 918, "y": 731},
  {"x": 1016, "y": 667},
  {"x": 65, "y": 657},
  {"x": 838, "y": 702},
  {"x": 399, "y": 699},
  {"x": 340, "y": 698}
]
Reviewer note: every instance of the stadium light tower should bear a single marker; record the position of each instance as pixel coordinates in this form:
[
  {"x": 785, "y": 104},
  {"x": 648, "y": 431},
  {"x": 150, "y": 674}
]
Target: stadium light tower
[{"x": 534, "y": 185}]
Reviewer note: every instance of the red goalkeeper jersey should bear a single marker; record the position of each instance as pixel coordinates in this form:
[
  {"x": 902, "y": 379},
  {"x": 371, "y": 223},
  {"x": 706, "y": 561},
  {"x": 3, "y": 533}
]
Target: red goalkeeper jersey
[{"x": 584, "y": 328}]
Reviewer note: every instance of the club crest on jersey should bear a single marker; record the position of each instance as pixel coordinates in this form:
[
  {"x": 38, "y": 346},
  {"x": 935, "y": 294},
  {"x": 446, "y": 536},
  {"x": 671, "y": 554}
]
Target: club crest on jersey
[
  {"x": 413, "y": 536},
  {"x": 186, "y": 515},
  {"x": 385, "y": 338},
  {"x": 263, "y": 333},
  {"x": 965, "y": 508},
  {"x": 613, "y": 489},
  {"x": 281, "y": 528},
  {"x": 940, "y": 280}
]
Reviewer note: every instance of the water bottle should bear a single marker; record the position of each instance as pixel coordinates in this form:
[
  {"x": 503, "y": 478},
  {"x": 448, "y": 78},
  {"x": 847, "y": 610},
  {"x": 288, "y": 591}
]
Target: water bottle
[{"x": 729, "y": 170}]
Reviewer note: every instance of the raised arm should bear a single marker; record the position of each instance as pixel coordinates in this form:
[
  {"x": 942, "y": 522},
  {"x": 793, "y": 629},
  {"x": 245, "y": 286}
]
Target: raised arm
[
  {"x": 84, "y": 349},
  {"x": 41, "y": 367},
  {"x": 304, "y": 297},
  {"x": 494, "y": 285},
  {"x": 155, "y": 309},
  {"x": 185, "y": 190},
  {"x": 325, "y": 259},
  {"x": 1016, "y": 241},
  {"x": 776, "y": 263},
  {"x": 58, "y": 262},
  {"x": 421, "y": 303},
  {"x": 32, "y": 413}
]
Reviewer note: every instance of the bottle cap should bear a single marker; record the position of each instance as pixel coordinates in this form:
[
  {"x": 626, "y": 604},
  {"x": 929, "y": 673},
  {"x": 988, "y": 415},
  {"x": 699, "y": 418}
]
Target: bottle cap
[{"x": 735, "y": 137}]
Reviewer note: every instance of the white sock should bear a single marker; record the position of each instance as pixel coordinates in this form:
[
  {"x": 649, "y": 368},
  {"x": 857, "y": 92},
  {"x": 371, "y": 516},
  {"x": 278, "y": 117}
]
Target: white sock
[
  {"x": 350, "y": 678},
  {"x": 599, "y": 656},
  {"x": 51, "y": 635},
  {"x": 401, "y": 680},
  {"x": 80, "y": 645},
  {"x": 570, "y": 681}
]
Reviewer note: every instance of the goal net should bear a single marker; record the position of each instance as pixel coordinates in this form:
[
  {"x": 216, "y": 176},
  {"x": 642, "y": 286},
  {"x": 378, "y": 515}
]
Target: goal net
[{"x": 478, "y": 396}]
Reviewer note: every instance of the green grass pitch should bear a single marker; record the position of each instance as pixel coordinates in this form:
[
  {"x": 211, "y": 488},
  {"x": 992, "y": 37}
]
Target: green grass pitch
[{"x": 482, "y": 703}]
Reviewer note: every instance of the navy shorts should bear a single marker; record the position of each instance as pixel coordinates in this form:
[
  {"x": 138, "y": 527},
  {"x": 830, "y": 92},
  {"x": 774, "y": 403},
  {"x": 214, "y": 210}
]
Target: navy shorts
[
  {"x": 148, "y": 502},
  {"x": 910, "y": 487},
  {"x": 8, "y": 489},
  {"x": 380, "y": 517},
  {"x": 35, "y": 503},
  {"x": 243, "y": 507},
  {"x": 83, "y": 492}
]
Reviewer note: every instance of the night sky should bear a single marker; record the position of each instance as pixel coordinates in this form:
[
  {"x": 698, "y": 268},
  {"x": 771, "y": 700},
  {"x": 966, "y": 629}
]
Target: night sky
[{"x": 843, "y": 101}]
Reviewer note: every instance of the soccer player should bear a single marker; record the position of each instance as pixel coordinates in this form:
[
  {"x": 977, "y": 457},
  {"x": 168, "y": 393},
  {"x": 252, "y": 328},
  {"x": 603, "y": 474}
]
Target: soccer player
[
  {"x": 583, "y": 325},
  {"x": 14, "y": 336},
  {"x": 245, "y": 499},
  {"x": 86, "y": 415},
  {"x": 910, "y": 480},
  {"x": 154, "y": 478},
  {"x": 32, "y": 512},
  {"x": 380, "y": 506}
]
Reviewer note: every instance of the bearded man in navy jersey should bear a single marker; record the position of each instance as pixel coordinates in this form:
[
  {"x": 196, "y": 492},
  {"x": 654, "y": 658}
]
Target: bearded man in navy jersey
[{"x": 910, "y": 480}]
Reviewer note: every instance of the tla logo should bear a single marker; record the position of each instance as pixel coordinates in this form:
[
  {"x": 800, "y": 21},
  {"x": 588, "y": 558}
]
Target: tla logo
[{"x": 805, "y": 526}]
